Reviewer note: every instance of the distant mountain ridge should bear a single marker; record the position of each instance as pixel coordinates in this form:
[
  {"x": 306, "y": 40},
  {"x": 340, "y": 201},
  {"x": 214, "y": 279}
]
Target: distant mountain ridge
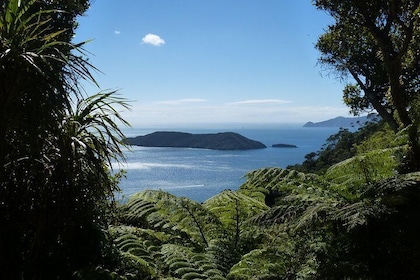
[
  {"x": 215, "y": 141},
  {"x": 344, "y": 122}
]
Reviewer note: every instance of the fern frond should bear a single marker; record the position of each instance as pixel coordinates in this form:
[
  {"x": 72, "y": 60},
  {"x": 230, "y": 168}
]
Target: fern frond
[
  {"x": 281, "y": 214},
  {"x": 138, "y": 210},
  {"x": 275, "y": 183},
  {"x": 141, "y": 264},
  {"x": 393, "y": 191},
  {"x": 367, "y": 168},
  {"x": 233, "y": 210},
  {"x": 271, "y": 178},
  {"x": 257, "y": 263},
  {"x": 228, "y": 206},
  {"x": 184, "y": 263},
  {"x": 134, "y": 250},
  {"x": 175, "y": 214},
  {"x": 357, "y": 214}
]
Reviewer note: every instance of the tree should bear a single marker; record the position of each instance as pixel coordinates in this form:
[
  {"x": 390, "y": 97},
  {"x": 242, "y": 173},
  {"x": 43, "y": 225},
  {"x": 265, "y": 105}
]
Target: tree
[
  {"x": 377, "y": 44},
  {"x": 55, "y": 147},
  {"x": 340, "y": 146}
]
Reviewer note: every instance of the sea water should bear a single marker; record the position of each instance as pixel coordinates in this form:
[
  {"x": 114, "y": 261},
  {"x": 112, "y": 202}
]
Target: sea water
[{"x": 200, "y": 173}]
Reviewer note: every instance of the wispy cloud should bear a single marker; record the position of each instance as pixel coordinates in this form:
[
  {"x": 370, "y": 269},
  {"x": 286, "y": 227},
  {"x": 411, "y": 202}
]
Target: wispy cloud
[
  {"x": 260, "y": 101},
  {"x": 117, "y": 32},
  {"x": 153, "y": 39},
  {"x": 182, "y": 101},
  {"x": 201, "y": 111}
]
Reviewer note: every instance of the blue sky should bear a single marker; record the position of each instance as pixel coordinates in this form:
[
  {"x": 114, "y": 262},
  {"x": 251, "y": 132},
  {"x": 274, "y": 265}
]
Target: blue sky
[{"x": 212, "y": 61}]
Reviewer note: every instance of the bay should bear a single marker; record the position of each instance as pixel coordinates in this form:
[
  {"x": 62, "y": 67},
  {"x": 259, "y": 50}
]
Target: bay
[{"x": 199, "y": 173}]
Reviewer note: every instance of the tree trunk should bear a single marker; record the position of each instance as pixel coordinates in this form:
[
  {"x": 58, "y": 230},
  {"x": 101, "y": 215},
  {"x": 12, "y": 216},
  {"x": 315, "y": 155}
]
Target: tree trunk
[
  {"x": 376, "y": 103},
  {"x": 385, "y": 115},
  {"x": 398, "y": 93}
]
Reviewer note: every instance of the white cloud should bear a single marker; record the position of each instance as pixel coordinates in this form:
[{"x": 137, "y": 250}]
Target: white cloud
[
  {"x": 153, "y": 39},
  {"x": 181, "y": 101},
  {"x": 117, "y": 32},
  {"x": 260, "y": 101}
]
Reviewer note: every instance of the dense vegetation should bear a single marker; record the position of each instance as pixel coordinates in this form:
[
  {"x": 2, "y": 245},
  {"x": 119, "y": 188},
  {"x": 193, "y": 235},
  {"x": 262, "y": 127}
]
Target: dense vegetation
[
  {"x": 341, "y": 146},
  {"x": 376, "y": 43},
  {"x": 356, "y": 218},
  {"x": 55, "y": 147}
]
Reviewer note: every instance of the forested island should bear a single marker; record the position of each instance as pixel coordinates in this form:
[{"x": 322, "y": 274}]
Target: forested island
[{"x": 213, "y": 141}]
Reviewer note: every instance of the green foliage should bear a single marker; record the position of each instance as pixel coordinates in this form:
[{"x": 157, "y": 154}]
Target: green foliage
[
  {"x": 171, "y": 242},
  {"x": 282, "y": 258},
  {"x": 184, "y": 263},
  {"x": 188, "y": 239},
  {"x": 181, "y": 216},
  {"x": 335, "y": 223},
  {"x": 376, "y": 44},
  {"x": 56, "y": 185},
  {"x": 139, "y": 250},
  {"x": 275, "y": 183},
  {"x": 259, "y": 264},
  {"x": 333, "y": 217},
  {"x": 366, "y": 168},
  {"x": 344, "y": 145},
  {"x": 233, "y": 210}
]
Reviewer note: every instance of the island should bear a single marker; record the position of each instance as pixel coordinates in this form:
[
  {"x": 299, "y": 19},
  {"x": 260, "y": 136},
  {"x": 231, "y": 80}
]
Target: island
[
  {"x": 283, "y": 146},
  {"x": 215, "y": 141},
  {"x": 345, "y": 122}
]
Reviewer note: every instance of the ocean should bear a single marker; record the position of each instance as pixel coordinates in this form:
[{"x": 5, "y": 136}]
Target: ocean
[{"x": 199, "y": 173}]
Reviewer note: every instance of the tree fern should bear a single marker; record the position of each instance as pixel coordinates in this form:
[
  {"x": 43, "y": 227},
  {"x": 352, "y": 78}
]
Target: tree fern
[
  {"x": 184, "y": 263},
  {"x": 270, "y": 178},
  {"x": 139, "y": 249},
  {"x": 291, "y": 194},
  {"x": 178, "y": 214},
  {"x": 282, "y": 258},
  {"x": 375, "y": 201},
  {"x": 275, "y": 182},
  {"x": 367, "y": 168},
  {"x": 233, "y": 209}
]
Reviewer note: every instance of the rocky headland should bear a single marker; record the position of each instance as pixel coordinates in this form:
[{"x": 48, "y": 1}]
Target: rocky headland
[{"x": 344, "y": 122}]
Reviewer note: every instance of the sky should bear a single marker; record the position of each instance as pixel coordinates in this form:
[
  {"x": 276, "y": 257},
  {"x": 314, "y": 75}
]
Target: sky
[{"x": 212, "y": 61}]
